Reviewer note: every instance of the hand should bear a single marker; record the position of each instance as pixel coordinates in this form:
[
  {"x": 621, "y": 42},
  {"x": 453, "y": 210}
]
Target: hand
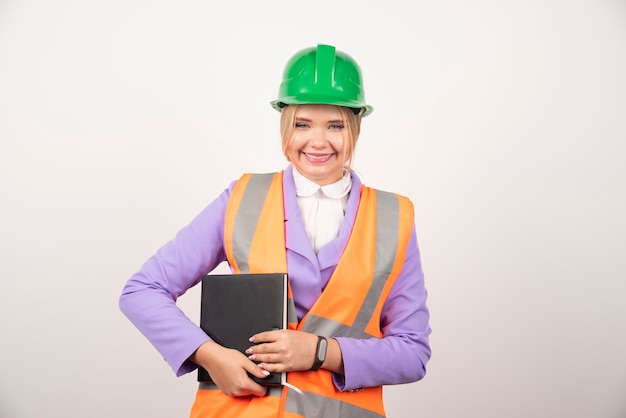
[
  {"x": 228, "y": 369},
  {"x": 283, "y": 350}
]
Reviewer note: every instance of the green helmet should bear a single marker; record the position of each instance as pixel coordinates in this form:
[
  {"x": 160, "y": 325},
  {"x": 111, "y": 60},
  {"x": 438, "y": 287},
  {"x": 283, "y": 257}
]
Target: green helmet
[{"x": 322, "y": 75}]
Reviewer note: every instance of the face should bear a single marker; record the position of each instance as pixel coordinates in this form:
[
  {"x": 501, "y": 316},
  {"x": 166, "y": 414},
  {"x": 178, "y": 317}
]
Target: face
[{"x": 317, "y": 147}]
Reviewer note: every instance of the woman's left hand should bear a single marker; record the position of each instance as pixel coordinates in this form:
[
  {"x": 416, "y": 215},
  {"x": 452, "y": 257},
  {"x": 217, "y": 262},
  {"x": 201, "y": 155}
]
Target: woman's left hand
[{"x": 283, "y": 350}]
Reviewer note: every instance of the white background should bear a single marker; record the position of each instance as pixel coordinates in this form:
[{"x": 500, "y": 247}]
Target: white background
[{"x": 503, "y": 121}]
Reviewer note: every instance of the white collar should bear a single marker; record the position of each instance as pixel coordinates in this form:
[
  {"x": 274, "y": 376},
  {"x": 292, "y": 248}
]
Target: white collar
[{"x": 336, "y": 190}]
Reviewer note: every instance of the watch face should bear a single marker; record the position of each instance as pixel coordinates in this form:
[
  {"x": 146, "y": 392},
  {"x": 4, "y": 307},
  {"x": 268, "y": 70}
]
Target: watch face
[{"x": 321, "y": 353}]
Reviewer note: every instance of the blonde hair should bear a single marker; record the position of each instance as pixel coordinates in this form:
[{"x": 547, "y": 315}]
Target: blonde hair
[{"x": 352, "y": 125}]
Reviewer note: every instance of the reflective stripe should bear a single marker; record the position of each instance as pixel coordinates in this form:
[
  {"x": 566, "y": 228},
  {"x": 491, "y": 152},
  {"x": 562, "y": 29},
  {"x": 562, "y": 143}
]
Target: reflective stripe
[
  {"x": 329, "y": 328},
  {"x": 312, "y": 405},
  {"x": 248, "y": 215},
  {"x": 387, "y": 224},
  {"x": 387, "y": 227},
  {"x": 275, "y": 391},
  {"x": 292, "y": 316},
  {"x": 379, "y": 225},
  {"x": 249, "y": 211}
]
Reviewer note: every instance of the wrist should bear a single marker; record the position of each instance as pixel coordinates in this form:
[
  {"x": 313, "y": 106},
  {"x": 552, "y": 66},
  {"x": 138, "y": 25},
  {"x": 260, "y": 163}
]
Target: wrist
[{"x": 204, "y": 352}]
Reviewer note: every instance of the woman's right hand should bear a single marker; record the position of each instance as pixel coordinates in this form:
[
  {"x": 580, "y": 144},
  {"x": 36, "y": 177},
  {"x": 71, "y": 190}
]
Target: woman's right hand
[{"x": 229, "y": 369}]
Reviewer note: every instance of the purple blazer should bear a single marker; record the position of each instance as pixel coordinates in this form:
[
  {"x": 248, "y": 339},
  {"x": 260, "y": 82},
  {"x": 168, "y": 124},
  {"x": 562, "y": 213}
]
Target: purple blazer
[{"x": 149, "y": 297}]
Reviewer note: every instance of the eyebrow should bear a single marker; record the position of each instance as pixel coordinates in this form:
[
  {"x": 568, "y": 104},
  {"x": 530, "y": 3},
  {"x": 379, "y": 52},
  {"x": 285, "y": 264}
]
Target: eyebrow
[{"x": 301, "y": 119}]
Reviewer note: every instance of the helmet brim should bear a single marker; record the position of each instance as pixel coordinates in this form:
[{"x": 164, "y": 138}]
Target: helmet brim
[{"x": 280, "y": 104}]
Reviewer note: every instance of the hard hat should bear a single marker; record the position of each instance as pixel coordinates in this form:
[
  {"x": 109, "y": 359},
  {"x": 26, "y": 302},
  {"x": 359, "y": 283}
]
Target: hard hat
[{"x": 322, "y": 75}]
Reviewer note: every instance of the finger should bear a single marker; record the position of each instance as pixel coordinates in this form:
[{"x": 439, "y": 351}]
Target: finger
[
  {"x": 273, "y": 367},
  {"x": 265, "y": 337},
  {"x": 264, "y": 358},
  {"x": 256, "y": 371},
  {"x": 256, "y": 389},
  {"x": 250, "y": 388},
  {"x": 261, "y": 348}
]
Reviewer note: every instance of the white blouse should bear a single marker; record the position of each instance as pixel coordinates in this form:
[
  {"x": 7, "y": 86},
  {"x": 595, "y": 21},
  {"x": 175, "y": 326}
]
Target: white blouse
[{"x": 322, "y": 207}]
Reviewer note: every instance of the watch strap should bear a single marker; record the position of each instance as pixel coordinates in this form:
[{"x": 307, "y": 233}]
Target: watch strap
[{"x": 320, "y": 353}]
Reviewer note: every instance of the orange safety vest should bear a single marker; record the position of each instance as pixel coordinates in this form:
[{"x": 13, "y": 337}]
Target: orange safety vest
[{"x": 349, "y": 306}]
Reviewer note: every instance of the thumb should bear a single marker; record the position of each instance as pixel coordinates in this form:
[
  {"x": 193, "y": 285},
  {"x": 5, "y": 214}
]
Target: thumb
[{"x": 256, "y": 371}]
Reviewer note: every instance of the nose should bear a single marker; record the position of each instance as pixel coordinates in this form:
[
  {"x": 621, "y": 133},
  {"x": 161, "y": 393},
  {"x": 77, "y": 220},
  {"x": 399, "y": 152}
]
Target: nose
[{"x": 318, "y": 138}]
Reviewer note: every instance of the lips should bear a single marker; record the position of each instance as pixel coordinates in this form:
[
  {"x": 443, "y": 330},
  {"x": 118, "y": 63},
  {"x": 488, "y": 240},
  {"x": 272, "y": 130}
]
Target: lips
[{"x": 317, "y": 158}]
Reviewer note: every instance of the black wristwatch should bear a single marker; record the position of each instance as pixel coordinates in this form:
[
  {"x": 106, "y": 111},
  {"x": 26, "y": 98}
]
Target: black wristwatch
[{"x": 320, "y": 353}]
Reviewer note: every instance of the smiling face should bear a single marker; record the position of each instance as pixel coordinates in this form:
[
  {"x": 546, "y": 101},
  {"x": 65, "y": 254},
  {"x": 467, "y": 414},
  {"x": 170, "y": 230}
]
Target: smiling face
[{"x": 319, "y": 143}]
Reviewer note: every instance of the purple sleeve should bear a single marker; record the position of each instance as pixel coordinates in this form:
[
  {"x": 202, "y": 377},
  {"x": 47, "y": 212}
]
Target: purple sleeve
[
  {"x": 401, "y": 355},
  {"x": 149, "y": 297}
]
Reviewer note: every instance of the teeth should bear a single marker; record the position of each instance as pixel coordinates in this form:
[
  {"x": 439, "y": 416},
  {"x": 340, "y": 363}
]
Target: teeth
[{"x": 318, "y": 157}]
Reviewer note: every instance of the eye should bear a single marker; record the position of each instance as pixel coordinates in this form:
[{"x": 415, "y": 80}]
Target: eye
[
  {"x": 301, "y": 125},
  {"x": 336, "y": 126}
]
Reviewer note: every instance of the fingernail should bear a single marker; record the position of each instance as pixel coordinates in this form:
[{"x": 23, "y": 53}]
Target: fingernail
[
  {"x": 266, "y": 373},
  {"x": 251, "y": 339},
  {"x": 249, "y": 351},
  {"x": 252, "y": 357}
]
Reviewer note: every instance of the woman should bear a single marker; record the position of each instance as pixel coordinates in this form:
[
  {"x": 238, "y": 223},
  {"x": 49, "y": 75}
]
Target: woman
[{"x": 350, "y": 251}]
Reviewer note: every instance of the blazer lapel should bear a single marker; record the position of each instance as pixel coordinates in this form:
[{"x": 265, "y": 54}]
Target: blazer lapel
[
  {"x": 329, "y": 254},
  {"x": 296, "y": 238},
  {"x": 295, "y": 234}
]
